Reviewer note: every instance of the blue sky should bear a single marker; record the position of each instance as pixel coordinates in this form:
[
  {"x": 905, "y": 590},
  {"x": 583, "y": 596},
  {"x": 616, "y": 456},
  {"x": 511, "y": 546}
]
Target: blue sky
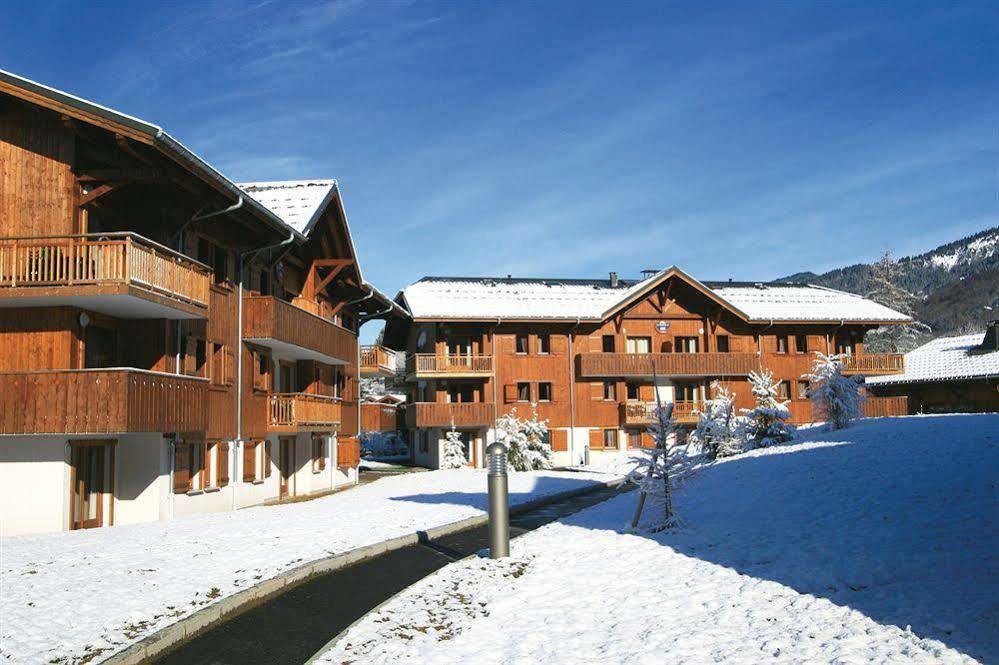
[{"x": 745, "y": 139}]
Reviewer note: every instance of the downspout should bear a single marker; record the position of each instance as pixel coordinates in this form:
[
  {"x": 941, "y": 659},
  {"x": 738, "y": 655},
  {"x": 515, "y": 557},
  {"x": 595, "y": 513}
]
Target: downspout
[
  {"x": 572, "y": 393},
  {"x": 492, "y": 343}
]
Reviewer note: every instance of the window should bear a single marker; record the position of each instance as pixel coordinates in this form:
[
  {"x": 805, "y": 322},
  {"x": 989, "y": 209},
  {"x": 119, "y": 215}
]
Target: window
[
  {"x": 221, "y": 264},
  {"x": 318, "y": 454},
  {"x": 607, "y": 343},
  {"x": 634, "y": 438},
  {"x": 721, "y": 341},
  {"x": 610, "y": 390},
  {"x": 844, "y": 345},
  {"x": 544, "y": 392},
  {"x": 803, "y": 387},
  {"x": 686, "y": 345},
  {"x": 461, "y": 393},
  {"x": 521, "y": 343},
  {"x": 781, "y": 343},
  {"x": 459, "y": 346},
  {"x": 610, "y": 438},
  {"x": 265, "y": 282},
  {"x": 801, "y": 343},
  {"x": 686, "y": 392},
  {"x": 523, "y": 392},
  {"x": 639, "y": 345},
  {"x": 632, "y": 389},
  {"x": 100, "y": 347},
  {"x": 544, "y": 344},
  {"x": 784, "y": 390},
  {"x": 424, "y": 442}
]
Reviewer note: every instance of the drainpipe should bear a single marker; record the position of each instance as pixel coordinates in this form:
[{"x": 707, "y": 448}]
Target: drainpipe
[
  {"x": 492, "y": 342},
  {"x": 572, "y": 394}
]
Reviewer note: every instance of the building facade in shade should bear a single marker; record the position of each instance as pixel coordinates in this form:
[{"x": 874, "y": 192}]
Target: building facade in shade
[
  {"x": 591, "y": 356},
  {"x": 948, "y": 375},
  {"x": 172, "y": 342}
]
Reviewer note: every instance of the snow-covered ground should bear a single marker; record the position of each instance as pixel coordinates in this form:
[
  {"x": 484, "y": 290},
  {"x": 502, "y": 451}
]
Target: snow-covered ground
[
  {"x": 873, "y": 544},
  {"x": 65, "y": 596}
]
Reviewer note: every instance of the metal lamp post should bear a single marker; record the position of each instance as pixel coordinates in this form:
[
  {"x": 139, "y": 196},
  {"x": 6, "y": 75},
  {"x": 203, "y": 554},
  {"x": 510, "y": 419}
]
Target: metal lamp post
[{"x": 499, "y": 511}]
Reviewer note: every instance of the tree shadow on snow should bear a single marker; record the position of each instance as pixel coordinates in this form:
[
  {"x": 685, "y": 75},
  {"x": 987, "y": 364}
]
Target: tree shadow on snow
[{"x": 542, "y": 487}]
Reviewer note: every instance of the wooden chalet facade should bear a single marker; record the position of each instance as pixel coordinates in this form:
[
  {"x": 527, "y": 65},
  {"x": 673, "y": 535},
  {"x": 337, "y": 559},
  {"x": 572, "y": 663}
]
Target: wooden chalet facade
[
  {"x": 172, "y": 343},
  {"x": 591, "y": 355}
]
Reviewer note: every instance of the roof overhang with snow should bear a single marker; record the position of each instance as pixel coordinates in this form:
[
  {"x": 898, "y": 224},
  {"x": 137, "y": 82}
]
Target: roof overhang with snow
[{"x": 943, "y": 360}]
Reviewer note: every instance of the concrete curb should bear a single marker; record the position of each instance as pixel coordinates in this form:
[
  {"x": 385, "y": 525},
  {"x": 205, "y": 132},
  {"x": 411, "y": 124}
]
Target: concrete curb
[
  {"x": 522, "y": 508},
  {"x": 172, "y": 636}
]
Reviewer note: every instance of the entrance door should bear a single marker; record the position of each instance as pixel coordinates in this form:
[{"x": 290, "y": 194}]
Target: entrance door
[
  {"x": 286, "y": 467},
  {"x": 88, "y": 483}
]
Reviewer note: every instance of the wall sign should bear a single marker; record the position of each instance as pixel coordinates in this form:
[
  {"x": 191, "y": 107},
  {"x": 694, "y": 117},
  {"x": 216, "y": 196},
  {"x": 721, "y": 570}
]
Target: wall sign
[{"x": 662, "y": 326}]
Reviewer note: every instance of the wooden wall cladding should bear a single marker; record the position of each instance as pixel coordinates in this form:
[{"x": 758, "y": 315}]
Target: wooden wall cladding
[
  {"x": 379, "y": 418},
  {"x": 36, "y": 339}
]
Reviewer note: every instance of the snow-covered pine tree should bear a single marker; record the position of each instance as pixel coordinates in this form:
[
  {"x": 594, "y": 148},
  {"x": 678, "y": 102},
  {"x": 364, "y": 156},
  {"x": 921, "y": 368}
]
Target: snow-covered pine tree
[
  {"x": 524, "y": 441},
  {"x": 884, "y": 289},
  {"x": 766, "y": 423},
  {"x": 835, "y": 398},
  {"x": 719, "y": 429},
  {"x": 537, "y": 452},
  {"x": 510, "y": 433},
  {"x": 453, "y": 456}
]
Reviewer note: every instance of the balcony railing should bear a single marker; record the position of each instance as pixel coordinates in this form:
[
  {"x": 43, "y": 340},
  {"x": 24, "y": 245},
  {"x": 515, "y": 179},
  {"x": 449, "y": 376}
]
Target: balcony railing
[
  {"x": 272, "y": 322},
  {"x": 644, "y": 413},
  {"x": 295, "y": 412},
  {"x": 874, "y": 363},
  {"x": 442, "y": 414},
  {"x": 667, "y": 364},
  {"x": 379, "y": 417},
  {"x": 101, "y": 401},
  {"x": 68, "y": 265},
  {"x": 377, "y": 361},
  {"x": 430, "y": 365}
]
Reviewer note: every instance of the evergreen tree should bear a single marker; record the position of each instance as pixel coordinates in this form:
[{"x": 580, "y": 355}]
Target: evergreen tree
[
  {"x": 884, "y": 289},
  {"x": 766, "y": 423},
  {"x": 835, "y": 398},
  {"x": 525, "y": 440},
  {"x": 453, "y": 456},
  {"x": 719, "y": 429}
]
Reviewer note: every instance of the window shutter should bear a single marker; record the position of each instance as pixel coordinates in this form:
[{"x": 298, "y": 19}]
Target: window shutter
[
  {"x": 181, "y": 470},
  {"x": 267, "y": 459},
  {"x": 510, "y": 393},
  {"x": 560, "y": 440},
  {"x": 596, "y": 438},
  {"x": 597, "y": 390},
  {"x": 647, "y": 393},
  {"x": 190, "y": 351},
  {"x": 322, "y": 454},
  {"x": 222, "y": 463},
  {"x": 249, "y": 462},
  {"x": 647, "y": 440}
]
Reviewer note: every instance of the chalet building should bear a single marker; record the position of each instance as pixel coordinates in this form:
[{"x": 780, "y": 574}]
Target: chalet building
[
  {"x": 593, "y": 354},
  {"x": 948, "y": 375},
  {"x": 170, "y": 342}
]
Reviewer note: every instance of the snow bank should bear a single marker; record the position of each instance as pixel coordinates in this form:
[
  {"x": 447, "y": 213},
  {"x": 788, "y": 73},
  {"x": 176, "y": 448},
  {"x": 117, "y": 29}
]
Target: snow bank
[
  {"x": 875, "y": 543},
  {"x": 75, "y": 594}
]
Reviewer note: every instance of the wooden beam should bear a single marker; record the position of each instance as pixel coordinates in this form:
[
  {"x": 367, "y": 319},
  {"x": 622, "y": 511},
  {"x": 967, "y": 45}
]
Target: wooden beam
[
  {"x": 118, "y": 175},
  {"x": 329, "y": 277},
  {"x": 96, "y": 193}
]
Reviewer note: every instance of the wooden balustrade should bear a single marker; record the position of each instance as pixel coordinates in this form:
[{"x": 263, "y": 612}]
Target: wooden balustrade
[
  {"x": 67, "y": 265},
  {"x": 874, "y": 363},
  {"x": 294, "y": 412},
  {"x": 376, "y": 360},
  {"x": 267, "y": 319},
  {"x": 442, "y": 414},
  {"x": 644, "y": 413},
  {"x": 101, "y": 401},
  {"x": 348, "y": 452},
  {"x": 598, "y": 365},
  {"x": 429, "y": 365},
  {"x": 379, "y": 417},
  {"x": 880, "y": 407}
]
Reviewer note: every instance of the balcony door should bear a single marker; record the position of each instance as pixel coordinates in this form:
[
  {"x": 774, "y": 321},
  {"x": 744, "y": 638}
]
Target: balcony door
[
  {"x": 459, "y": 352},
  {"x": 91, "y": 467},
  {"x": 686, "y": 345},
  {"x": 286, "y": 467},
  {"x": 638, "y": 345}
]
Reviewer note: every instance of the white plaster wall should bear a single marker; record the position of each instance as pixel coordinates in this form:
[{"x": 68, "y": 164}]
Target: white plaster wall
[
  {"x": 431, "y": 458},
  {"x": 34, "y": 485},
  {"x": 141, "y": 478},
  {"x": 256, "y": 493}
]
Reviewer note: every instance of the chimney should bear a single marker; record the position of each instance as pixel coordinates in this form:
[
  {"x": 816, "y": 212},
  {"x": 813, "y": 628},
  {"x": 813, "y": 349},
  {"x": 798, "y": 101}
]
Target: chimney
[
  {"x": 991, "y": 341},
  {"x": 613, "y": 280}
]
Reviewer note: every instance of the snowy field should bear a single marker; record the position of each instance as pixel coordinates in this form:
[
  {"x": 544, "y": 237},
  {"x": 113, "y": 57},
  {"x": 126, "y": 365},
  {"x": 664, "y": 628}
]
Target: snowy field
[
  {"x": 874, "y": 544},
  {"x": 68, "y": 596}
]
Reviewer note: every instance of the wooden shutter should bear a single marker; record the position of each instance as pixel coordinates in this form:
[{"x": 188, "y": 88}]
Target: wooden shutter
[
  {"x": 647, "y": 440},
  {"x": 249, "y": 462},
  {"x": 647, "y": 392},
  {"x": 596, "y": 438},
  {"x": 560, "y": 440},
  {"x": 597, "y": 390},
  {"x": 267, "y": 459},
  {"x": 181, "y": 468},
  {"x": 222, "y": 462},
  {"x": 510, "y": 393},
  {"x": 322, "y": 455},
  {"x": 190, "y": 354}
]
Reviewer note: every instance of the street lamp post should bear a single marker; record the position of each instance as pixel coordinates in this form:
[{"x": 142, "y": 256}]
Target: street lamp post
[{"x": 499, "y": 511}]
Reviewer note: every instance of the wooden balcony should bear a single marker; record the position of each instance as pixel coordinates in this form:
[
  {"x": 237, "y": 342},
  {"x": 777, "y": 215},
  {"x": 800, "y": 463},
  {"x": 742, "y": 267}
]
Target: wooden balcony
[
  {"x": 377, "y": 361},
  {"x": 599, "y": 365},
  {"x": 118, "y": 274},
  {"x": 448, "y": 365},
  {"x": 874, "y": 363},
  {"x": 302, "y": 412},
  {"x": 442, "y": 414},
  {"x": 644, "y": 413},
  {"x": 290, "y": 330},
  {"x": 101, "y": 401},
  {"x": 379, "y": 417}
]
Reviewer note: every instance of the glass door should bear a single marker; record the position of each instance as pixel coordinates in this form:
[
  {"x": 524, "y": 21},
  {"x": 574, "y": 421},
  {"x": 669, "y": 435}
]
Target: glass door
[{"x": 88, "y": 483}]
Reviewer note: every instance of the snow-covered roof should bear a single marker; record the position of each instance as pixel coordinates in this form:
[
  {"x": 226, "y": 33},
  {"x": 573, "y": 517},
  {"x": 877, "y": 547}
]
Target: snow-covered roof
[
  {"x": 945, "y": 359},
  {"x": 803, "y": 302},
  {"x": 298, "y": 203},
  {"x": 489, "y": 298}
]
